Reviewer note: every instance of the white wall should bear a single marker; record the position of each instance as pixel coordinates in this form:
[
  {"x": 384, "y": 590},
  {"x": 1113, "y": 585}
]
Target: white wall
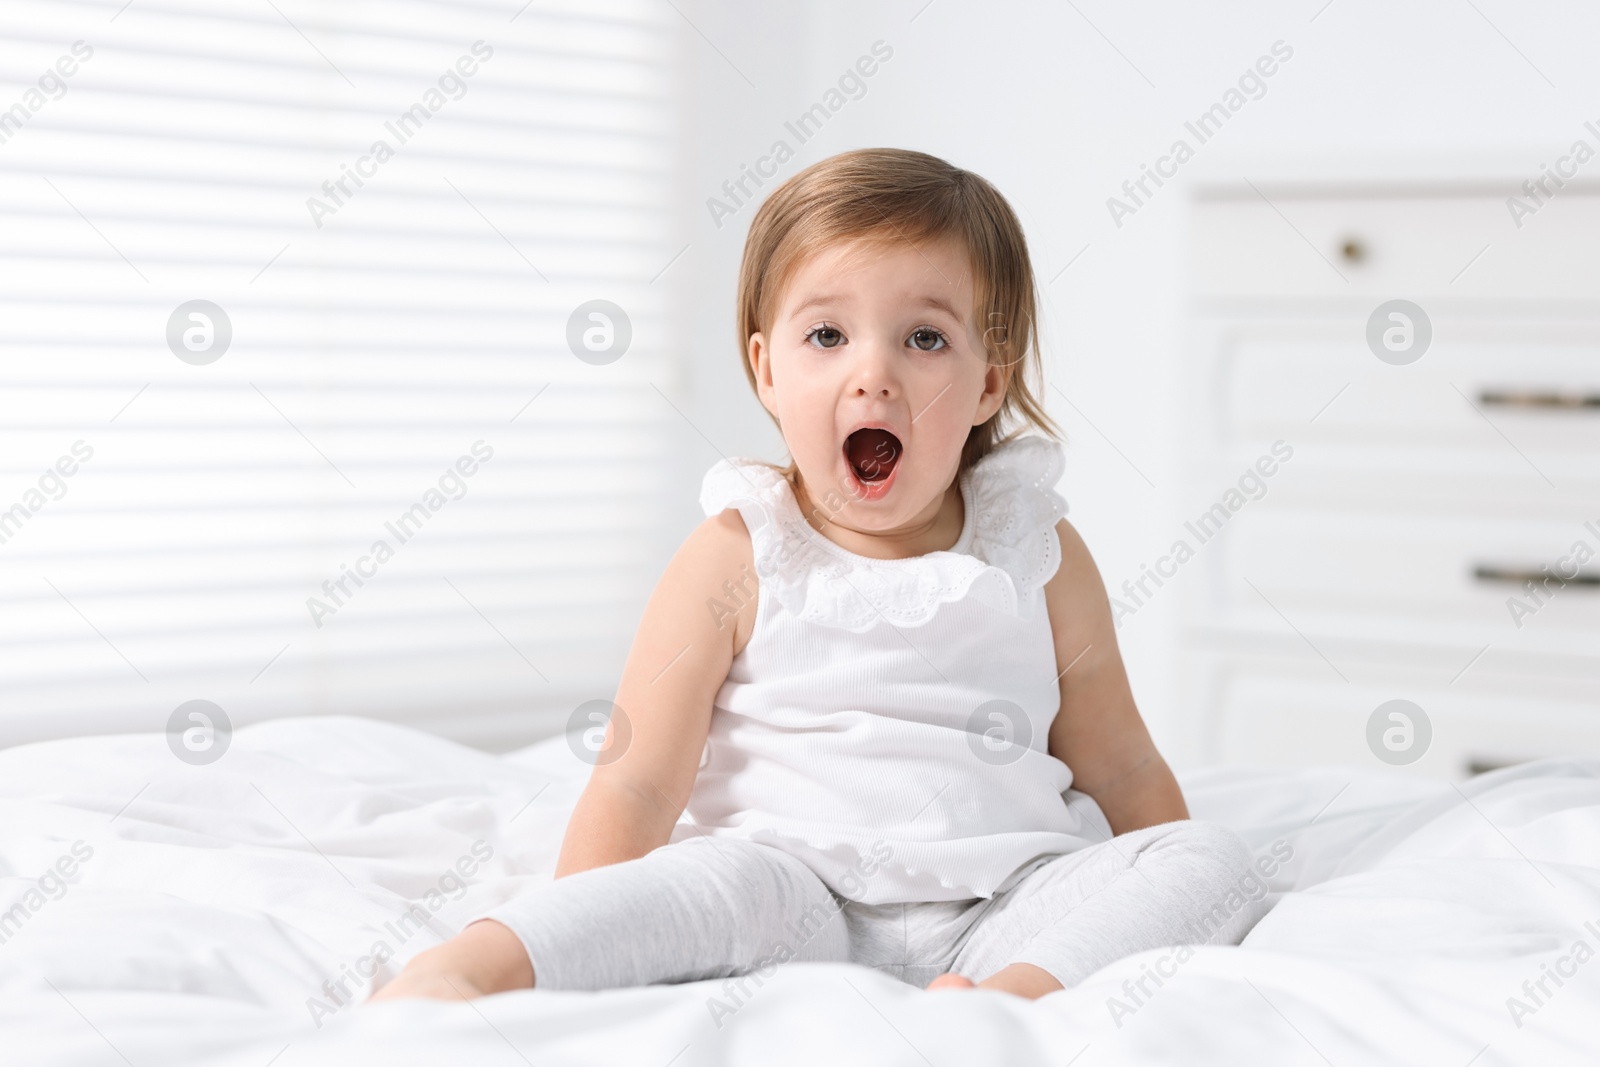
[{"x": 1059, "y": 104}]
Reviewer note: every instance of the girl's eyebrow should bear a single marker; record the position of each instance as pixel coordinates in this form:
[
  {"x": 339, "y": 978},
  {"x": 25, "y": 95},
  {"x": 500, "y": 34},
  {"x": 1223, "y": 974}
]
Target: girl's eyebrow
[
  {"x": 817, "y": 301},
  {"x": 938, "y": 303}
]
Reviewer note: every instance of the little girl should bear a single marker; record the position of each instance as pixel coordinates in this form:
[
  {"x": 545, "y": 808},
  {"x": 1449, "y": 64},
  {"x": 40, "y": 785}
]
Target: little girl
[{"x": 884, "y": 681}]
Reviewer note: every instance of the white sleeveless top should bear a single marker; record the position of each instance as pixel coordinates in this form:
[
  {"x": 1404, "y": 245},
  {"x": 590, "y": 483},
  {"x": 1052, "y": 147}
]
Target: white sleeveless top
[{"x": 887, "y": 723}]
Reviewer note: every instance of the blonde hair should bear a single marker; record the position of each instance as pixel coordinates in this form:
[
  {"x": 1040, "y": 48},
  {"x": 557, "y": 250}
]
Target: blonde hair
[{"x": 891, "y": 194}]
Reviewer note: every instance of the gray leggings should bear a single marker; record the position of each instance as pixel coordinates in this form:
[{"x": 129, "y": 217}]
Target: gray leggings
[{"x": 714, "y": 907}]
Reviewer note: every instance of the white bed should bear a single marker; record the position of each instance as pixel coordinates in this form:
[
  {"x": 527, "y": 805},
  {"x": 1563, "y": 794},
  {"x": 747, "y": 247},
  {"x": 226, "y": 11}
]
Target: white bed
[{"x": 217, "y": 900}]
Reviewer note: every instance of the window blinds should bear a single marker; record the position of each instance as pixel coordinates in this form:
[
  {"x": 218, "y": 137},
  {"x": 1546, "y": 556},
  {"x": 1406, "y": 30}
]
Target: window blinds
[{"x": 313, "y": 393}]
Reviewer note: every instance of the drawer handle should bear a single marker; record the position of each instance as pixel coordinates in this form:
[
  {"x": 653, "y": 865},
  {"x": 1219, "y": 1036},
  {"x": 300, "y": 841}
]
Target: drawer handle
[
  {"x": 1523, "y": 575},
  {"x": 1535, "y": 398},
  {"x": 1483, "y": 765}
]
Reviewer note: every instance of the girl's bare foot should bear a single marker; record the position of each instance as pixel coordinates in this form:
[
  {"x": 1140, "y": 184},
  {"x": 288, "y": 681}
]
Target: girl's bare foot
[
  {"x": 1023, "y": 979},
  {"x": 484, "y": 958},
  {"x": 437, "y": 985}
]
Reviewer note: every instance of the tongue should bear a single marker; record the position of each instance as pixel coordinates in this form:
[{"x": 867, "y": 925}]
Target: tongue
[{"x": 873, "y": 453}]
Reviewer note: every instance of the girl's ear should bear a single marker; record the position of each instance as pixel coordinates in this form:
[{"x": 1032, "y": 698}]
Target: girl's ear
[
  {"x": 995, "y": 381},
  {"x": 760, "y": 357}
]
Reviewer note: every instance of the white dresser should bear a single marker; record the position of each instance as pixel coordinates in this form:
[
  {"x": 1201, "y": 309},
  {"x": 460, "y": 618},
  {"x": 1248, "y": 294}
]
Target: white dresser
[{"x": 1385, "y": 559}]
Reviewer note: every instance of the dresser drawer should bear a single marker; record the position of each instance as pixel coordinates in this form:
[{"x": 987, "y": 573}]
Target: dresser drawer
[
  {"x": 1290, "y": 714},
  {"x": 1397, "y": 577},
  {"x": 1447, "y": 243},
  {"x": 1535, "y": 383}
]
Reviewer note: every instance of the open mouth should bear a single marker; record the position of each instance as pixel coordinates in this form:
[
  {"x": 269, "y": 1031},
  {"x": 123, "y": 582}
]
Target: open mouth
[{"x": 873, "y": 454}]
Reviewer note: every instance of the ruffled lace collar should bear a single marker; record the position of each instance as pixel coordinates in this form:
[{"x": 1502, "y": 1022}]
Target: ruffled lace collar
[{"x": 1007, "y": 551}]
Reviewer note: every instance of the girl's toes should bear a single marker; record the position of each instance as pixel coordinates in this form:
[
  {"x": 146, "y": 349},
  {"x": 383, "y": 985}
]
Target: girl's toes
[{"x": 951, "y": 980}]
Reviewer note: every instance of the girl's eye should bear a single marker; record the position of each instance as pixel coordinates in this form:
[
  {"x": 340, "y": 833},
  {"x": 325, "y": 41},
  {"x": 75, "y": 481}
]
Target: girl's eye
[
  {"x": 824, "y": 336},
  {"x": 928, "y": 339}
]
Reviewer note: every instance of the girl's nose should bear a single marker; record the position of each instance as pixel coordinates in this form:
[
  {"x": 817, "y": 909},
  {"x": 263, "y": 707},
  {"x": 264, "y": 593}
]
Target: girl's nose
[{"x": 873, "y": 375}]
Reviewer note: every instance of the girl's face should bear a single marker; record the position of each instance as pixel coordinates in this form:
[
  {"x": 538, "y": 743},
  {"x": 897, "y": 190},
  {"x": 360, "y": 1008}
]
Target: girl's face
[{"x": 875, "y": 372}]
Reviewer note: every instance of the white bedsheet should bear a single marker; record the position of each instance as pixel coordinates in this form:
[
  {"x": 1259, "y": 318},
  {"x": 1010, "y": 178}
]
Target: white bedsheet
[{"x": 217, "y": 900}]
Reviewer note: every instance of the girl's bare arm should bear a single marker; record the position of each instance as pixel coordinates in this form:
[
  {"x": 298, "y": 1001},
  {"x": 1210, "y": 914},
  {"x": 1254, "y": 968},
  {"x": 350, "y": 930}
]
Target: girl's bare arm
[
  {"x": 1098, "y": 731},
  {"x": 680, "y": 658},
  {"x": 647, "y": 766}
]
